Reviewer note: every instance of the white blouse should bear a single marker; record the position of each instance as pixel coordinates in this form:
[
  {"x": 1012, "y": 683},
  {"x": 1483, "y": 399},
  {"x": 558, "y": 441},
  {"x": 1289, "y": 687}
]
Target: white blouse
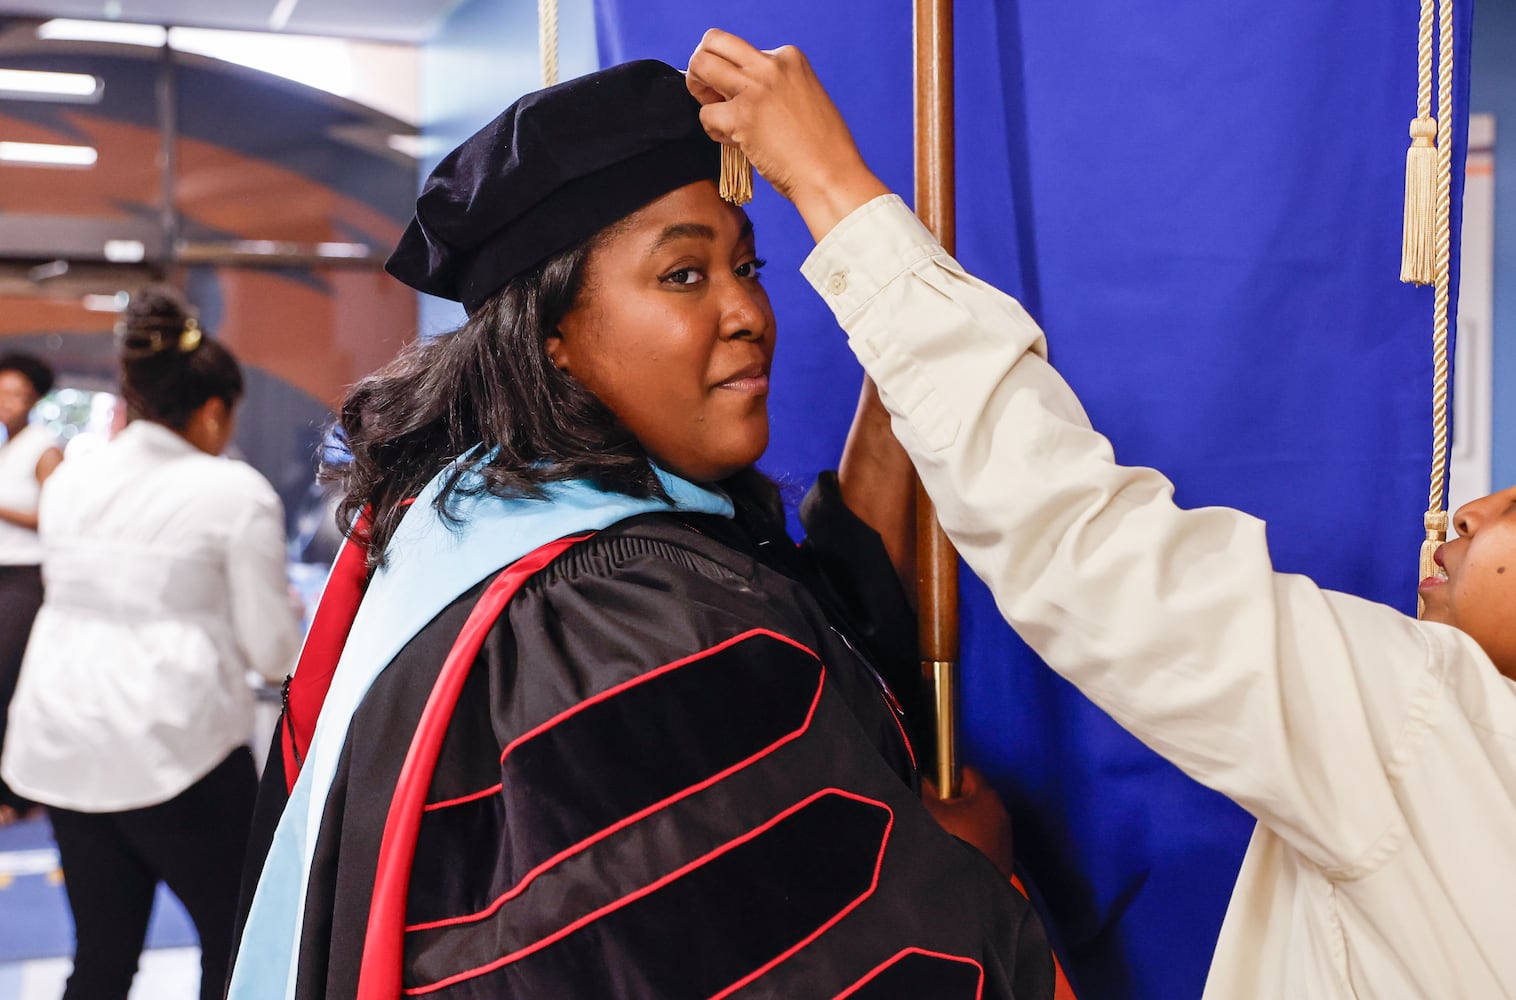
[
  {"x": 164, "y": 571},
  {"x": 19, "y": 491},
  {"x": 1377, "y": 752}
]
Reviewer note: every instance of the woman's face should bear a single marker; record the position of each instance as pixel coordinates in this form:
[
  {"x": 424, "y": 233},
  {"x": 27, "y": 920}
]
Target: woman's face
[
  {"x": 674, "y": 333},
  {"x": 1479, "y": 592},
  {"x": 17, "y": 397}
]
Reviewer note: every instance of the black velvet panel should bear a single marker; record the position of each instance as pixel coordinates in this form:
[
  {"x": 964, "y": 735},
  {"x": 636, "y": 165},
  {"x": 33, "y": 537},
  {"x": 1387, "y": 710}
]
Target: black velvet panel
[
  {"x": 613, "y": 758},
  {"x": 659, "y": 737},
  {"x": 469, "y": 762},
  {"x": 703, "y": 929}
]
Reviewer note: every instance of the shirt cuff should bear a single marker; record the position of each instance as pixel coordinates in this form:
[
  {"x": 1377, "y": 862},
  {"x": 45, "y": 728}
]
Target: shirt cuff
[{"x": 867, "y": 250}]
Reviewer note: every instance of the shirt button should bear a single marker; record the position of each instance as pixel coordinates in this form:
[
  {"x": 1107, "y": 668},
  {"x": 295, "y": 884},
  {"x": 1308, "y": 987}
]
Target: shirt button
[{"x": 837, "y": 284}]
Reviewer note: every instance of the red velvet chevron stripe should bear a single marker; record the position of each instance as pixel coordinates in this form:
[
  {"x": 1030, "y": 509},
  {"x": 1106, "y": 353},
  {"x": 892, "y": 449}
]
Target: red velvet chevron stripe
[{"x": 384, "y": 940}]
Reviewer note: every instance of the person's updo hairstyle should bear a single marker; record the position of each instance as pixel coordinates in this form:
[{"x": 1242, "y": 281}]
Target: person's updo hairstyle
[{"x": 169, "y": 366}]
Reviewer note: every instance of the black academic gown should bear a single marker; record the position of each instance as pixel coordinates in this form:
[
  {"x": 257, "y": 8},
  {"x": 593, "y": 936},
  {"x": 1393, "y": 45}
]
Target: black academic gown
[{"x": 671, "y": 773}]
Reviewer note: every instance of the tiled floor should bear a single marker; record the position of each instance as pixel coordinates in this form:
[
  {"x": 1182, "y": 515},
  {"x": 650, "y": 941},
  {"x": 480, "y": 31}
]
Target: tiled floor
[
  {"x": 165, "y": 974},
  {"x": 36, "y": 933}
]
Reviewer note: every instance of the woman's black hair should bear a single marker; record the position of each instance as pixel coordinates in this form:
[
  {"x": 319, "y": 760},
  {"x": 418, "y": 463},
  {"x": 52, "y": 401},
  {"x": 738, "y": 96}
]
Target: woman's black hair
[
  {"x": 490, "y": 384},
  {"x": 169, "y": 366},
  {"x": 30, "y": 367}
]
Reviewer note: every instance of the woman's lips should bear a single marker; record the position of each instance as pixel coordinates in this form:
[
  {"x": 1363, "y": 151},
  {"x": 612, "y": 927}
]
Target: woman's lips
[
  {"x": 752, "y": 379},
  {"x": 1439, "y": 578}
]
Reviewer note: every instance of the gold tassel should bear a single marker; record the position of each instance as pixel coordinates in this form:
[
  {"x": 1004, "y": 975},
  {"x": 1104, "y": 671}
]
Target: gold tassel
[
  {"x": 1418, "y": 244},
  {"x": 1436, "y": 522},
  {"x": 736, "y": 175}
]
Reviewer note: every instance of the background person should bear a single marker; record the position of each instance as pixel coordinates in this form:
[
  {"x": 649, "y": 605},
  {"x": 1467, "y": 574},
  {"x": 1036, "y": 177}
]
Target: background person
[
  {"x": 164, "y": 566},
  {"x": 28, "y": 455},
  {"x": 1374, "y": 749}
]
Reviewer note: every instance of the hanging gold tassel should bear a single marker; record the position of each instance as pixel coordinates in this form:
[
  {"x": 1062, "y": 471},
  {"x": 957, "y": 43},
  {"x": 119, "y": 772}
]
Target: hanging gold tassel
[
  {"x": 1436, "y": 519},
  {"x": 736, "y": 175},
  {"x": 1417, "y": 248},
  {"x": 1437, "y": 532}
]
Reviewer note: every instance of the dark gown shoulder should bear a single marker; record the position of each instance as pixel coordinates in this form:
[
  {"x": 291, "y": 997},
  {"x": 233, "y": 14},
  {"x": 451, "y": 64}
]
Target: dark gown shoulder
[{"x": 670, "y": 774}]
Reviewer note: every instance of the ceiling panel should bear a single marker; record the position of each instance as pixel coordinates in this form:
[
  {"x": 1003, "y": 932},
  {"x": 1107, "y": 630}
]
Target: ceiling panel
[{"x": 411, "y": 21}]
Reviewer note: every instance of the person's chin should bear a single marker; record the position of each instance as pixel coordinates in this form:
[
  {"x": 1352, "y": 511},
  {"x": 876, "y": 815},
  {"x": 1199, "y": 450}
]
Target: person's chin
[
  {"x": 1434, "y": 609},
  {"x": 740, "y": 447}
]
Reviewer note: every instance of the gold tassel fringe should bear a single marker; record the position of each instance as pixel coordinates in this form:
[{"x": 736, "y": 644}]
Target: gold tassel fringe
[
  {"x": 1437, "y": 532},
  {"x": 736, "y": 176},
  {"x": 1417, "y": 249}
]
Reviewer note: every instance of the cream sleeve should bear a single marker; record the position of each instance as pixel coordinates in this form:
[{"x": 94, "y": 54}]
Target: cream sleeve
[{"x": 1292, "y": 700}]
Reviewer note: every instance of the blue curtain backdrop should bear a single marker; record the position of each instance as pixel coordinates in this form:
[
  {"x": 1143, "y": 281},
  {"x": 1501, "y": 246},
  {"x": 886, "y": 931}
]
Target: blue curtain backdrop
[{"x": 1201, "y": 203}]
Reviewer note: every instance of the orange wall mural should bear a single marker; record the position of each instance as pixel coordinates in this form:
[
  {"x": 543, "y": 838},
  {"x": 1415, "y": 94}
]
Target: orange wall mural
[{"x": 256, "y": 158}]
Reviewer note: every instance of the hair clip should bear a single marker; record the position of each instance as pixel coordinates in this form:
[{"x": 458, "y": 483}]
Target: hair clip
[
  {"x": 137, "y": 345},
  {"x": 190, "y": 338}
]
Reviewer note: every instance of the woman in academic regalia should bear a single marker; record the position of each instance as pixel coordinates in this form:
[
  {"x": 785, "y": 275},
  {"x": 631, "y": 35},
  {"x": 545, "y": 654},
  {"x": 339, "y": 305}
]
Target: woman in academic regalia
[{"x": 590, "y": 724}]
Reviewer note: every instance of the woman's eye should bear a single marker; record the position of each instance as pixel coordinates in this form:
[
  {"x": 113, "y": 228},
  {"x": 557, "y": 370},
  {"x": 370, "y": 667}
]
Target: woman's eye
[
  {"x": 751, "y": 269},
  {"x": 684, "y": 276}
]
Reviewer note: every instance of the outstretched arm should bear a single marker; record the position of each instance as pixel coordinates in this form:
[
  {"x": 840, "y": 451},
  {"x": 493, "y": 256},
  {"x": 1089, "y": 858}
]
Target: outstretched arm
[{"x": 1294, "y": 701}]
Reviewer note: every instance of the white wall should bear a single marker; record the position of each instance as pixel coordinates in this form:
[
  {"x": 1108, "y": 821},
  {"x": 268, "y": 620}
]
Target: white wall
[{"x": 1469, "y": 473}]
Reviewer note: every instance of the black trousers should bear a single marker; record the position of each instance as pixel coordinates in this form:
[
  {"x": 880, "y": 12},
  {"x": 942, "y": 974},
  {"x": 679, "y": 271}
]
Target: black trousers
[
  {"x": 20, "y": 597},
  {"x": 112, "y": 863}
]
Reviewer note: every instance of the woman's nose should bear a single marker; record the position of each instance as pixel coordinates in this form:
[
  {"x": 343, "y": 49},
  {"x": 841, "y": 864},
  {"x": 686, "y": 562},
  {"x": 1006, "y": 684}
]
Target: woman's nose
[
  {"x": 1463, "y": 519},
  {"x": 1468, "y": 518},
  {"x": 746, "y": 312}
]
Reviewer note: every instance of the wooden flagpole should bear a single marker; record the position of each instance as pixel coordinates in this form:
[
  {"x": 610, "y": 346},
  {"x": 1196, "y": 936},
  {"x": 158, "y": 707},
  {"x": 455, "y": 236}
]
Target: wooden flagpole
[{"x": 937, "y": 563}]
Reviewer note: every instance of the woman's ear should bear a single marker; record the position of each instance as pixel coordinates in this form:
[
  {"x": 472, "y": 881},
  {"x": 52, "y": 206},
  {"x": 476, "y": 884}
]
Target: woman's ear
[
  {"x": 217, "y": 413},
  {"x": 557, "y": 352},
  {"x": 209, "y": 428}
]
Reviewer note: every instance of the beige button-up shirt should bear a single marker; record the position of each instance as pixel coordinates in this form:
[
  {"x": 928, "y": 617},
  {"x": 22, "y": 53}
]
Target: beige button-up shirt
[{"x": 1377, "y": 752}]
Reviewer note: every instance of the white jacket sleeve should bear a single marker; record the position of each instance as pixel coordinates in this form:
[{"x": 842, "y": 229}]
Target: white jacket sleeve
[
  {"x": 1291, "y": 700},
  {"x": 263, "y": 620}
]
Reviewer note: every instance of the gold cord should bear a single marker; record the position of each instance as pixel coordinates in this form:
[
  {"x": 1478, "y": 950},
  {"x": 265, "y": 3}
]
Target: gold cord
[
  {"x": 547, "y": 33},
  {"x": 1436, "y": 519}
]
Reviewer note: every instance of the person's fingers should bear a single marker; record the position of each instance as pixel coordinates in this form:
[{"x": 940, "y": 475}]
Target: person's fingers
[
  {"x": 734, "y": 49},
  {"x": 717, "y": 64},
  {"x": 713, "y": 73},
  {"x": 788, "y": 55},
  {"x": 701, "y": 92},
  {"x": 718, "y": 121}
]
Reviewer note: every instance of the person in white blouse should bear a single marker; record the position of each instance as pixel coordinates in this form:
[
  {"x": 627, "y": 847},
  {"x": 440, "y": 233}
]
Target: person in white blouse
[
  {"x": 28, "y": 455},
  {"x": 165, "y": 586},
  {"x": 1377, "y": 751}
]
